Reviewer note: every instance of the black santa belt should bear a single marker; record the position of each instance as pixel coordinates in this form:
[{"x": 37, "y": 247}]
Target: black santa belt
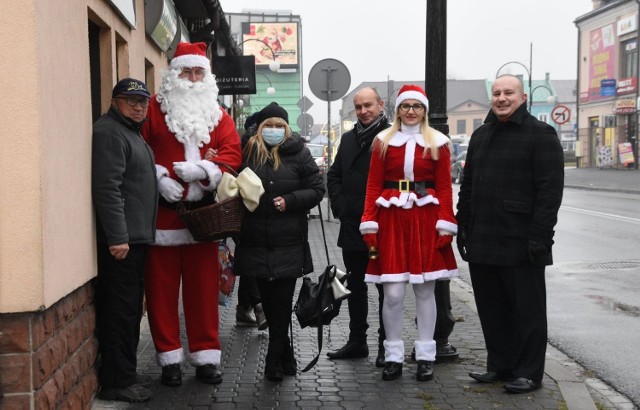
[{"x": 404, "y": 185}]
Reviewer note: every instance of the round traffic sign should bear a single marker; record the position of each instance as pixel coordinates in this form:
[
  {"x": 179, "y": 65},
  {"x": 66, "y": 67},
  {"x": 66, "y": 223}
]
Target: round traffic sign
[
  {"x": 561, "y": 114},
  {"x": 329, "y": 79},
  {"x": 305, "y": 121}
]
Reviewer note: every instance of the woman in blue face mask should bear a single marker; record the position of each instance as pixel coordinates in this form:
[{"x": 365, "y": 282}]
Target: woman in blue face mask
[{"x": 273, "y": 246}]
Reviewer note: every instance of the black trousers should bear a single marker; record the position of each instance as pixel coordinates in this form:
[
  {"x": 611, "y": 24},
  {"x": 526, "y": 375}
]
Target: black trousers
[
  {"x": 444, "y": 318},
  {"x": 277, "y": 303},
  {"x": 248, "y": 293},
  {"x": 119, "y": 295},
  {"x": 512, "y": 307},
  {"x": 356, "y": 263}
]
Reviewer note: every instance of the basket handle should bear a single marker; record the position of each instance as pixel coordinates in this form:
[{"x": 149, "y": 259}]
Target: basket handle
[{"x": 231, "y": 170}]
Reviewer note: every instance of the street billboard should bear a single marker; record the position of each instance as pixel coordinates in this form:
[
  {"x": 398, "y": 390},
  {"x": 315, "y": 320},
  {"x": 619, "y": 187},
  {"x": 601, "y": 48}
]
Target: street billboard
[
  {"x": 282, "y": 38},
  {"x": 601, "y": 58}
]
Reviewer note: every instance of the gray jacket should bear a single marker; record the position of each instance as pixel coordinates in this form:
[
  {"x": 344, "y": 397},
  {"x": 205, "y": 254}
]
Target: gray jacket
[{"x": 124, "y": 186}]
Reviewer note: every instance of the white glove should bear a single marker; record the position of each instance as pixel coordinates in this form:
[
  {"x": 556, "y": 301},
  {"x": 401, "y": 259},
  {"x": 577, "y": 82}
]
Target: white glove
[
  {"x": 188, "y": 171},
  {"x": 170, "y": 189}
]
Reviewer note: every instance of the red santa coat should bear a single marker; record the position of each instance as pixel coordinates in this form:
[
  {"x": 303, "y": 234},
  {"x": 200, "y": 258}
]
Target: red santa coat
[
  {"x": 407, "y": 223},
  {"x": 167, "y": 150}
]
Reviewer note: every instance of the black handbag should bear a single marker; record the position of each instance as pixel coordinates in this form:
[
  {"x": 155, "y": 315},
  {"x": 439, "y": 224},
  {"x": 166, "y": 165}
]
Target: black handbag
[{"x": 319, "y": 302}]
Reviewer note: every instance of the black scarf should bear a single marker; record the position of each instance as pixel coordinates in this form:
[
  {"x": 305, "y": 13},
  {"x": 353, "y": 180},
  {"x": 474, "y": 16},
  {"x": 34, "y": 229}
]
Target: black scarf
[{"x": 366, "y": 134}]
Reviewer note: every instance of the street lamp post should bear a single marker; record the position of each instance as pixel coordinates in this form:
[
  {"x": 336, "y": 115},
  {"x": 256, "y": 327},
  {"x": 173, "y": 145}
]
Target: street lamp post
[
  {"x": 270, "y": 89},
  {"x": 528, "y": 70}
]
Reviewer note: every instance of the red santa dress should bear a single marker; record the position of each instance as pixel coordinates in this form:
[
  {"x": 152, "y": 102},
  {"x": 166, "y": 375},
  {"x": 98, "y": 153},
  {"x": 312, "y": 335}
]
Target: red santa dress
[
  {"x": 407, "y": 222},
  {"x": 176, "y": 256}
]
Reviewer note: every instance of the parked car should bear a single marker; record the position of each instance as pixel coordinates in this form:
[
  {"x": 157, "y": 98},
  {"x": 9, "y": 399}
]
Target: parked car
[
  {"x": 457, "y": 168},
  {"x": 319, "y": 155}
]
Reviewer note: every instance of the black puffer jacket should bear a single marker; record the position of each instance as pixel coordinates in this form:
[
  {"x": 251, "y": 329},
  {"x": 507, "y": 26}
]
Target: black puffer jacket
[{"x": 273, "y": 244}]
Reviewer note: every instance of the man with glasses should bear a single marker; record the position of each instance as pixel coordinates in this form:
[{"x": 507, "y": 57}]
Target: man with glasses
[
  {"x": 125, "y": 198},
  {"x": 184, "y": 121}
]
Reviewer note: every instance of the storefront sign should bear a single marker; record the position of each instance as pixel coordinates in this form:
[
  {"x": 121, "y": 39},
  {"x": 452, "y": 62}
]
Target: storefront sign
[
  {"x": 625, "y": 105},
  {"x": 627, "y": 25},
  {"x": 235, "y": 74},
  {"x": 627, "y": 86},
  {"x": 608, "y": 87}
]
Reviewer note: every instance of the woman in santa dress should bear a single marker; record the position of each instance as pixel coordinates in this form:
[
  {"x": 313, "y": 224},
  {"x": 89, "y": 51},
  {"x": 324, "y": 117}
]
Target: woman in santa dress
[{"x": 408, "y": 225}]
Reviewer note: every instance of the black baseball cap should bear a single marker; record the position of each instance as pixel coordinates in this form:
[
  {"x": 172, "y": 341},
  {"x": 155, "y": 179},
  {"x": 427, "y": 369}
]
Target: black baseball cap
[{"x": 130, "y": 86}]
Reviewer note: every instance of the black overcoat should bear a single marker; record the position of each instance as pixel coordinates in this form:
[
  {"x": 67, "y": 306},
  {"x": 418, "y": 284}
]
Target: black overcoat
[
  {"x": 347, "y": 186},
  {"x": 511, "y": 190},
  {"x": 274, "y": 244}
]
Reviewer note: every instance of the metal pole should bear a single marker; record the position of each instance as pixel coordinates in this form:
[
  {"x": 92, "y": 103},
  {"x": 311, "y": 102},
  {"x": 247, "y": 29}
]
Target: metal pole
[
  {"x": 329, "y": 90},
  {"x": 435, "y": 65},
  {"x": 530, "y": 68}
]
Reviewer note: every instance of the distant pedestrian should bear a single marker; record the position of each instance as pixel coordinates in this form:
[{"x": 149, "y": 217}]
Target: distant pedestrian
[
  {"x": 408, "y": 225},
  {"x": 125, "y": 195},
  {"x": 507, "y": 209},
  {"x": 274, "y": 244}
]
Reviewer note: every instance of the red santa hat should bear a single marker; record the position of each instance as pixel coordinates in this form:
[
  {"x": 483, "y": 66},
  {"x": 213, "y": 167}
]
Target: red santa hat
[
  {"x": 191, "y": 55},
  {"x": 412, "y": 92}
]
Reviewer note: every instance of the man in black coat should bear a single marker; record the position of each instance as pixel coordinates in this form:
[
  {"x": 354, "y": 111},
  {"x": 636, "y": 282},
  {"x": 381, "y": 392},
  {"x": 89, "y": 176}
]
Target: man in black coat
[
  {"x": 125, "y": 197},
  {"x": 507, "y": 209}
]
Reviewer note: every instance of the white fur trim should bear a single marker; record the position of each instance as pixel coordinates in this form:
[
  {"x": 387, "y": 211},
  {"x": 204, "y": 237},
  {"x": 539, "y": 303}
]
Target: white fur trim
[
  {"x": 412, "y": 95},
  {"x": 394, "y": 351},
  {"x": 406, "y": 200},
  {"x": 409, "y": 157},
  {"x": 447, "y": 226},
  {"x": 202, "y": 357},
  {"x": 368, "y": 227},
  {"x": 190, "y": 60},
  {"x": 400, "y": 138},
  {"x": 172, "y": 357},
  {"x": 425, "y": 350},
  {"x": 213, "y": 173},
  {"x": 411, "y": 278},
  {"x": 161, "y": 171},
  {"x": 174, "y": 237}
]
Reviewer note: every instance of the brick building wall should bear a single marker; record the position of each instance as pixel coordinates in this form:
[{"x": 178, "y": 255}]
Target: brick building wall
[{"x": 47, "y": 358}]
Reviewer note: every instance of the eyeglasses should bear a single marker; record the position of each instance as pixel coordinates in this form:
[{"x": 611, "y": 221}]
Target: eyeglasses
[
  {"x": 198, "y": 72},
  {"x": 131, "y": 101},
  {"x": 407, "y": 107}
]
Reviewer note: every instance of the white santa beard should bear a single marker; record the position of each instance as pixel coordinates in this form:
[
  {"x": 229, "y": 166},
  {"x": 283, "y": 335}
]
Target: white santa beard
[{"x": 191, "y": 108}]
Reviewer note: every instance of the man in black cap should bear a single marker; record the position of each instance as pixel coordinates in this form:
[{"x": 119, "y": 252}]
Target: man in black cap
[{"x": 125, "y": 194}]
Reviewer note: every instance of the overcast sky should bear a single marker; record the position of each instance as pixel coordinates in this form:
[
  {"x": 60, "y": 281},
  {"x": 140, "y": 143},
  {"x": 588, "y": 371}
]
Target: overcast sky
[{"x": 377, "y": 39}]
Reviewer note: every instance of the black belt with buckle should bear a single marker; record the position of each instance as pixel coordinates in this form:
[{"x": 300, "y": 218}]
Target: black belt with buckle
[
  {"x": 208, "y": 199},
  {"x": 404, "y": 185}
]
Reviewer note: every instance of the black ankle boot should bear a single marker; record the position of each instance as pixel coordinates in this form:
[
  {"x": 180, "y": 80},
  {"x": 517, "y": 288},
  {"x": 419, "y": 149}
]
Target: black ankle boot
[
  {"x": 289, "y": 365},
  {"x": 273, "y": 367},
  {"x": 392, "y": 371},
  {"x": 425, "y": 371}
]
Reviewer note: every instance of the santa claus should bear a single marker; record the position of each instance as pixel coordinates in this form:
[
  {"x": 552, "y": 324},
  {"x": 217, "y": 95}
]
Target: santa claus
[{"x": 184, "y": 121}]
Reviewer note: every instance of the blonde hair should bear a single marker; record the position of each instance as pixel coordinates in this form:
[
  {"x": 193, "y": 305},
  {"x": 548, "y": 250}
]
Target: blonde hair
[
  {"x": 257, "y": 152},
  {"x": 428, "y": 134}
]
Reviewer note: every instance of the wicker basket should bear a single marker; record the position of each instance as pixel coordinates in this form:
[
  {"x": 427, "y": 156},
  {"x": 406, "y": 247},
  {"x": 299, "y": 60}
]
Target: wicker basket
[{"x": 215, "y": 221}]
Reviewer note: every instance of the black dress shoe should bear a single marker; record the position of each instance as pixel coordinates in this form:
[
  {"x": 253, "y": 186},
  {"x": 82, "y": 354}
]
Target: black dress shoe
[
  {"x": 445, "y": 352},
  {"x": 352, "y": 350},
  {"x": 171, "y": 375},
  {"x": 131, "y": 394},
  {"x": 392, "y": 371},
  {"x": 425, "y": 371},
  {"x": 522, "y": 385},
  {"x": 209, "y": 373},
  {"x": 485, "y": 377},
  {"x": 380, "y": 362}
]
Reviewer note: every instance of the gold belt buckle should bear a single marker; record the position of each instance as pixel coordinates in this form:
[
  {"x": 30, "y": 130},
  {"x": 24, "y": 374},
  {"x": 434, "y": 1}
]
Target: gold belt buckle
[{"x": 403, "y": 185}]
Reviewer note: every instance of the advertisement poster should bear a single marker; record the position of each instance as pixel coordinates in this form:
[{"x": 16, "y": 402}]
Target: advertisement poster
[
  {"x": 605, "y": 157},
  {"x": 625, "y": 151},
  {"x": 602, "y": 45},
  {"x": 260, "y": 39}
]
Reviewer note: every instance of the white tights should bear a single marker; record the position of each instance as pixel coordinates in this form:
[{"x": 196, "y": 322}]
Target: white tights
[{"x": 393, "y": 315}]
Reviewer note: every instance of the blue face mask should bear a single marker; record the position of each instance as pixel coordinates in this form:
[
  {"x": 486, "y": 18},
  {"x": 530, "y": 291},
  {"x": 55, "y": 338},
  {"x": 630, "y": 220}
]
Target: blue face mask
[{"x": 273, "y": 136}]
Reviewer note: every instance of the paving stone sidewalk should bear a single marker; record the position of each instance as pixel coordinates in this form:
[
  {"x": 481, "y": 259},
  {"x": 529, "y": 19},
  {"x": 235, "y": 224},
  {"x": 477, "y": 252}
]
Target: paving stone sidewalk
[{"x": 357, "y": 384}]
